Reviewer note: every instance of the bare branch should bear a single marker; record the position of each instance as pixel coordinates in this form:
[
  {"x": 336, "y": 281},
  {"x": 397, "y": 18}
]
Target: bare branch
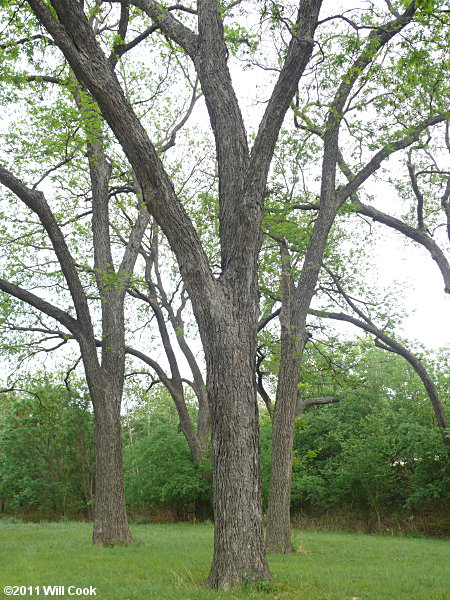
[
  {"x": 260, "y": 383},
  {"x": 171, "y": 141},
  {"x": 417, "y": 193},
  {"x": 412, "y": 135},
  {"x": 93, "y": 70},
  {"x": 37, "y": 203},
  {"x": 317, "y": 402},
  {"x": 297, "y": 57},
  {"x": 265, "y": 320},
  {"x": 167, "y": 23},
  {"x": 417, "y": 235},
  {"x": 49, "y": 309}
]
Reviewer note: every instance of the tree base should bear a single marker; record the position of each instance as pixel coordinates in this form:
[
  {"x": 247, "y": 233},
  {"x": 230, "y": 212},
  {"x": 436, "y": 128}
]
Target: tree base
[
  {"x": 110, "y": 542},
  {"x": 230, "y": 578},
  {"x": 111, "y": 535},
  {"x": 279, "y": 547}
]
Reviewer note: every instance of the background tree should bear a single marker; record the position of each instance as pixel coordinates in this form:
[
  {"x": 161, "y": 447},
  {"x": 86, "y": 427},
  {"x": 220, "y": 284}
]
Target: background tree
[
  {"x": 115, "y": 236},
  {"x": 160, "y": 470},
  {"x": 298, "y": 286},
  {"x": 378, "y": 451}
]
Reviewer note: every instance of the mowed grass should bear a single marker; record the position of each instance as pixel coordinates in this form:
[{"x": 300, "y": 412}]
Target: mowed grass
[{"x": 172, "y": 562}]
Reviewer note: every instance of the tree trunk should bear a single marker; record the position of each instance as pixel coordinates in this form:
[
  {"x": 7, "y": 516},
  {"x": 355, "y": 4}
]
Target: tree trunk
[
  {"x": 239, "y": 552},
  {"x": 110, "y": 518},
  {"x": 294, "y": 310},
  {"x": 278, "y": 537}
]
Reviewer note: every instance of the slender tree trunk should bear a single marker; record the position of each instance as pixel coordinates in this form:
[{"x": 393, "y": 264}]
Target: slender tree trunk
[
  {"x": 295, "y": 304},
  {"x": 278, "y": 537},
  {"x": 279, "y": 517},
  {"x": 110, "y": 518},
  {"x": 239, "y": 552}
]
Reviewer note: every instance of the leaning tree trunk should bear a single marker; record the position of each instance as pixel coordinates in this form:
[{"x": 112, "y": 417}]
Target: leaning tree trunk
[
  {"x": 239, "y": 552},
  {"x": 110, "y": 517}
]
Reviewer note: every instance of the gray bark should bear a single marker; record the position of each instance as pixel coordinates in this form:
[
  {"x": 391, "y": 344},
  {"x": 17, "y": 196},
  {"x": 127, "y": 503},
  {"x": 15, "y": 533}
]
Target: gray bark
[
  {"x": 105, "y": 379},
  {"x": 418, "y": 235},
  {"x": 296, "y": 298},
  {"x": 295, "y": 304},
  {"x": 238, "y": 536},
  {"x": 225, "y": 309},
  {"x": 110, "y": 517}
]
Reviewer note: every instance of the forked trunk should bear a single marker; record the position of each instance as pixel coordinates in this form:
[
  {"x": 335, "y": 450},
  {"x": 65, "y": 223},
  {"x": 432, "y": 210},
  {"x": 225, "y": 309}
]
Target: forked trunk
[
  {"x": 110, "y": 518},
  {"x": 239, "y": 551}
]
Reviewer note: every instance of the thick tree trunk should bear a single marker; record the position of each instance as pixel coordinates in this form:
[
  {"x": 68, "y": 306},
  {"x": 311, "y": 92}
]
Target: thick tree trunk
[
  {"x": 239, "y": 552},
  {"x": 110, "y": 518}
]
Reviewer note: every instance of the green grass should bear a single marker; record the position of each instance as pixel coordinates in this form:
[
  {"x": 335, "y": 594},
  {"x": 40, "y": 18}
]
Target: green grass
[{"x": 172, "y": 561}]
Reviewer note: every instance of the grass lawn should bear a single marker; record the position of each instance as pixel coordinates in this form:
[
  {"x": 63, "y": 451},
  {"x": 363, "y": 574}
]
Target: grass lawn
[{"x": 172, "y": 561}]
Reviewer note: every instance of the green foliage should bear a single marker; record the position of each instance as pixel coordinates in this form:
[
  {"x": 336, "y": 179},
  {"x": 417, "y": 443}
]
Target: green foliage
[
  {"x": 159, "y": 471},
  {"x": 377, "y": 448},
  {"x": 46, "y": 441}
]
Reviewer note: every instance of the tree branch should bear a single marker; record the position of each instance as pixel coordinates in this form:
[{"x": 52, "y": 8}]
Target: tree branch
[
  {"x": 168, "y": 24},
  {"x": 378, "y": 38},
  {"x": 35, "y": 200},
  {"x": 297, "y": 57},
  {"x": 399, "y": 349},
  {"x": 74, "y": 36},
  {"x": 411, "y": 136},
  {"x": 46, "y": 307},
  {"x": 417, "y": 235},
  {"x": 418, "y": 194}
]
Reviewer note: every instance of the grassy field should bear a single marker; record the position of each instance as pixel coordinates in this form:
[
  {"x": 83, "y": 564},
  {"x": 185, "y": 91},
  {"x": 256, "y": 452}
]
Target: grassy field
[{"x": 171, "y": 562}]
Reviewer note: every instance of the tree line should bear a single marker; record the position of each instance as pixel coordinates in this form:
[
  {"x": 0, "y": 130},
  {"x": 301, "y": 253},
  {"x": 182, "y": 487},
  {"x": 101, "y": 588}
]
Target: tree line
[{"x": 374, "y": 454}]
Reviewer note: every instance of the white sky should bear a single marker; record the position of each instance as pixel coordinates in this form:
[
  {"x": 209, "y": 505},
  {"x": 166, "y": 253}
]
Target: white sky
[{"x": 428, "y": 306}]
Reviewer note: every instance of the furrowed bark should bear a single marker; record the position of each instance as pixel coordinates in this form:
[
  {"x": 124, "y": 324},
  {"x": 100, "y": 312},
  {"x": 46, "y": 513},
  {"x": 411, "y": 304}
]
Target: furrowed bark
[
  {"x": 75, "y": 38},
  {"x": 105, "y": 380},
  {"x": 110, "y": 518},
  {"x": 295, "y": 303},
  {"x": 278, "y": 537},
  {"x": 235, "y": 556},
  {"x": 297, "y": 300},
  {"x": 106, "y": 385},
  {"x": 238, "y": 537},
  {"x": 225, "y": 309}
]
